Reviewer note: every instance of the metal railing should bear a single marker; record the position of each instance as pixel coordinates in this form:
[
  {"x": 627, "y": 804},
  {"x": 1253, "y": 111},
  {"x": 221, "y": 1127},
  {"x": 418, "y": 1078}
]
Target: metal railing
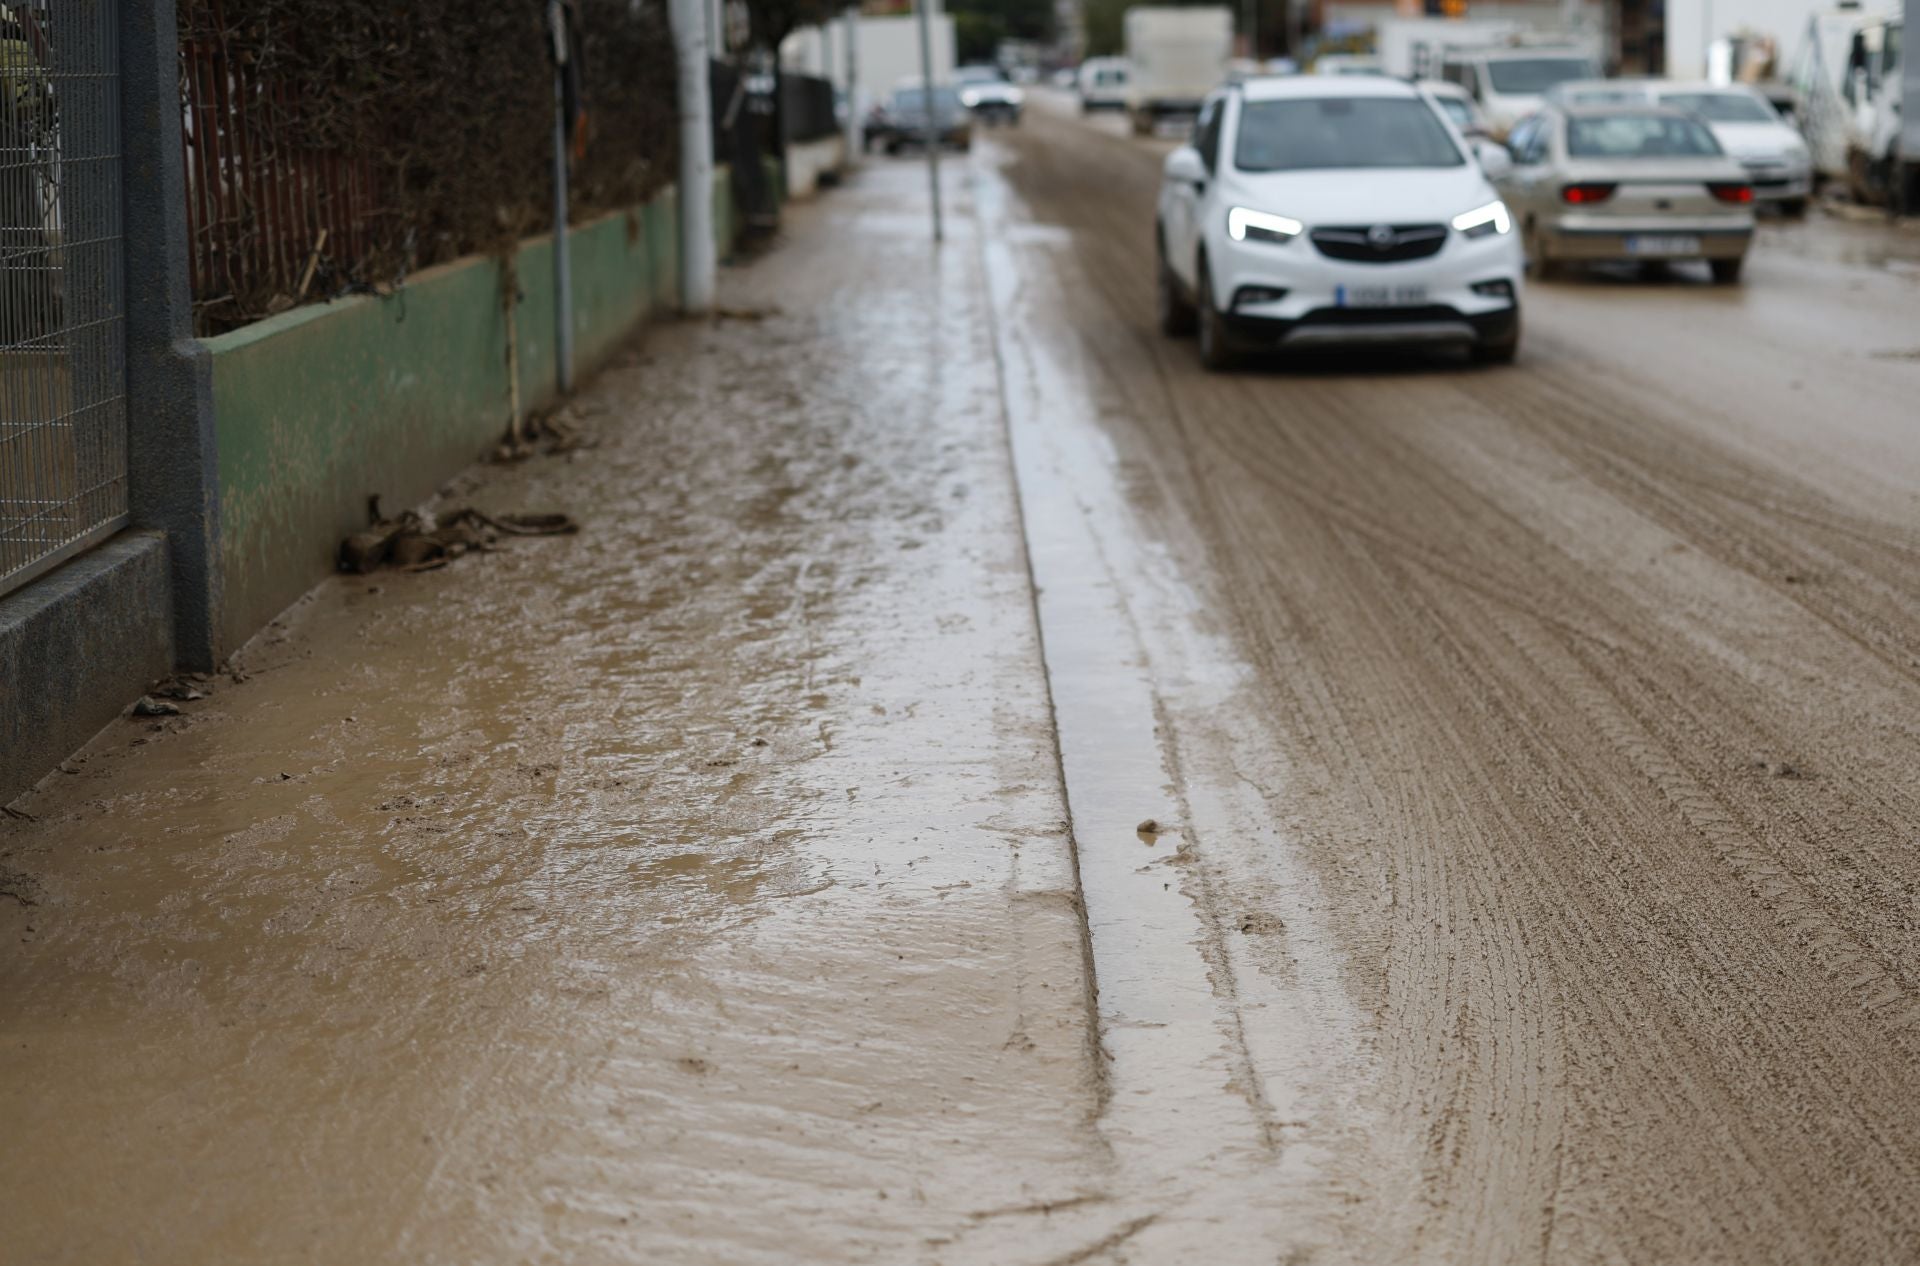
[{"x": 63, "y": 421}]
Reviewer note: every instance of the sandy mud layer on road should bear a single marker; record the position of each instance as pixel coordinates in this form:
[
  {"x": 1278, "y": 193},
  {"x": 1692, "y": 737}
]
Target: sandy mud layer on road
[
  {"x": 1593, "y": 693},
  {"x": 693, "y": 889}
]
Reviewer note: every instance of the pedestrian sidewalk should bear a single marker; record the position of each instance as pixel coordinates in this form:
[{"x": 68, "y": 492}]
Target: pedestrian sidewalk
[{"x": 693, "y": 889}]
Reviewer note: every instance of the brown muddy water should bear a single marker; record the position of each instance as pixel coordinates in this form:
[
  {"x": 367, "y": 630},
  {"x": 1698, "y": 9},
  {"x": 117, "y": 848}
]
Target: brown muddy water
[{"x": 693, "y": 889}]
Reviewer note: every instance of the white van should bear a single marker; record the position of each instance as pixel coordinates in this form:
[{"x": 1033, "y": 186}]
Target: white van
[
  {"x": 1103, "y": 84},
  {"x": 1508, "y": 82}
]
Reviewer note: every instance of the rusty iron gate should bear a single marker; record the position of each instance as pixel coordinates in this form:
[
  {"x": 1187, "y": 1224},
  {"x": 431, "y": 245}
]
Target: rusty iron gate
[{"x": 63, "y": 416}]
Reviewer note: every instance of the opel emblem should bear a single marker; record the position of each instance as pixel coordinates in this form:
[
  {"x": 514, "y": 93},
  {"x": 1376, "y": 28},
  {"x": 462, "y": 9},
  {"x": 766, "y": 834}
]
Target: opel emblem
[{"x": 1381, "y": 235}]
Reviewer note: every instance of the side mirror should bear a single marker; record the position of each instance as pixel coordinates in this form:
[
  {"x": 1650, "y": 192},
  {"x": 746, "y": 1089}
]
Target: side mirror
[
  {"x": 1185, "y": 166},
  {"x": 1494, "y": 159}
]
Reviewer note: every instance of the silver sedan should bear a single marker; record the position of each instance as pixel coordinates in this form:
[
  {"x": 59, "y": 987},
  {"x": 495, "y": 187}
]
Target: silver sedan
[{"x": 1627, "y": 182}]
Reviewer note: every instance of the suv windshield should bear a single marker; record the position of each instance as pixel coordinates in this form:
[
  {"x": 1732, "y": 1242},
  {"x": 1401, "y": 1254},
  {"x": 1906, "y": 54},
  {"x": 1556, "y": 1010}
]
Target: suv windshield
[
  {"x": 1327, "y": 133},
  {"x": 1721, "y": 107},
  {"x": 1531, "y": 76},
  {"x": 1638, "y": 136},
  {"x": 978, "y": 75}
]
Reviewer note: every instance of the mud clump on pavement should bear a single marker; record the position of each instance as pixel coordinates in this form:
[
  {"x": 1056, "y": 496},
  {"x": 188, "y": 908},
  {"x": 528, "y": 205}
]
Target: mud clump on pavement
[{"x": 426, "y": 542}]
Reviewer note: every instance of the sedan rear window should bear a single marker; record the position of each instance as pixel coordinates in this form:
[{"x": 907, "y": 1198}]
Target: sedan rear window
[
  {"x": 1638, "y": 136},
  {"x": 1328, "y": 133},
  {"x": 1531, "y": 76},
  {"x": 1721, "y": 107}
]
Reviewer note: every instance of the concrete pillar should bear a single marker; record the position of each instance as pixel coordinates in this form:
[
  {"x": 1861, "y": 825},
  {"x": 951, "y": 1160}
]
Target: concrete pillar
[{"x": 173, "y": 470}]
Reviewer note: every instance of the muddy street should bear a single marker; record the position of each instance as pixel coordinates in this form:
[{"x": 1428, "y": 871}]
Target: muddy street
[
  {"x": 1584, "y": 694},
  {"x": 981, "y": 789}
]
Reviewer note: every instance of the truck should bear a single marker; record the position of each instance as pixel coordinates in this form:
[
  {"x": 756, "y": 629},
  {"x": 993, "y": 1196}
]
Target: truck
[
  {"x": 1847, "y": 76},
  {"x": 1883, "y": 146},
  {"x": 1907, "y": 157},
  {"x": 1176, "y": 57},
  {"x": 1412, "y": 47}
]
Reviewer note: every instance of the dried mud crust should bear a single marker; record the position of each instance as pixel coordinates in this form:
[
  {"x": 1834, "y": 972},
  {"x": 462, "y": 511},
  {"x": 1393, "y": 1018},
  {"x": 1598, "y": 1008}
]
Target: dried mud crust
[{"x": 1601, "y": 717}]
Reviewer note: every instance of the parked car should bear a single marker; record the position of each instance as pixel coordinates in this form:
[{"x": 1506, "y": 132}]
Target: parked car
[
  {"x": 1338, "y": 209},
  {"x": 1742, "y": 118},
  {"x": 1775, "y": 155},
  {"x": 1627, "y": 182},
  {"x": 1510, "y": 81},
  {"x": 1348, "y": 64},
  {"x": 1600, "y": 92},
  {"x": 1458, "y": 105},
  {"x": 988, "y": 95},
  {"x": 901, "y": 120},
  {"x": 1103, "y": 84}
]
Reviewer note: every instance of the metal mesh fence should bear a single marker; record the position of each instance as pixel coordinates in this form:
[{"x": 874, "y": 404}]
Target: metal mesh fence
[
  {"x": 335, "y": 146},
  {"x": 63, "y": 430}
]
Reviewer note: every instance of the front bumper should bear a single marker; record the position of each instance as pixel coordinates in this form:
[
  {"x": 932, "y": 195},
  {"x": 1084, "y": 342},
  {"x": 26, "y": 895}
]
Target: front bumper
[
  {"x": 1432, "y": 300},
  {"x": 1371, "y": 327}
]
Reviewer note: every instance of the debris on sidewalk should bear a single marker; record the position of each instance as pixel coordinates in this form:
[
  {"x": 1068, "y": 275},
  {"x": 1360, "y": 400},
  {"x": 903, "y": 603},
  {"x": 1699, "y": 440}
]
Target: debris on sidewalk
[
  {"x": 745, "y": 314},
  {"x": 184, "y": 688},
  {"x": 547, "y": 435},
  {"x": 148, "y": 706},
  {"x": 425, "y": 542}
]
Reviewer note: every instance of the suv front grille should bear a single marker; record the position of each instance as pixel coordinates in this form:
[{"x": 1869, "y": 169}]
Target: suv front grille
[{"x": 1380, "y": 243}]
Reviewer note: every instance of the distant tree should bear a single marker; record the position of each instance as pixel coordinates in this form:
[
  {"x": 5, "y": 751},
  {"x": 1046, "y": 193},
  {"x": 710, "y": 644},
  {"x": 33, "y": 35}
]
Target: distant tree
[
  {"x": 1106, "y": 20},
  {"x": 980, "y": 25}
]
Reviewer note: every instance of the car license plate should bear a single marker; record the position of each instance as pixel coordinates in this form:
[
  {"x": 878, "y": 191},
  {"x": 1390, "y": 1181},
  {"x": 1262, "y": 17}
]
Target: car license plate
[
  {"x": 1663, "y": 244},
  {"x": 1379, "y": 296}
]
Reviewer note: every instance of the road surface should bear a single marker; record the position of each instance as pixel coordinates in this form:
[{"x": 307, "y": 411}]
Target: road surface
[
  {"x": 1549, "y": 736},
  {"x": 980, "y": 790}
]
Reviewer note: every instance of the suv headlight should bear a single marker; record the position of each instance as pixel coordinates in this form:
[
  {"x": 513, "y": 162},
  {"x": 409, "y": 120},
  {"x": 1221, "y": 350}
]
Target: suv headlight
[
  {"x": 1484, "y": 221},
  {"x": 1247, "y": 225}
]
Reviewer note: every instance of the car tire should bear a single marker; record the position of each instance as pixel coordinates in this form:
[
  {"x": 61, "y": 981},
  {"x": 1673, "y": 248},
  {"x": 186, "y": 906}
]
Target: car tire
[
  {"x": 1794, "y": 208},
  {"x": 1542, "y": 265},
  {"x": 1177, "y": 316},
  {"x": 1502, "y": 351},
  {"x": 1726, "y": 272},
  {"x": 1216, "y": 352}
]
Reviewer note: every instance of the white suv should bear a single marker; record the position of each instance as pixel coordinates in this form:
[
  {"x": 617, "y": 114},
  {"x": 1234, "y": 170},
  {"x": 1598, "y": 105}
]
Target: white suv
[{"x": 1319, "y": 210}]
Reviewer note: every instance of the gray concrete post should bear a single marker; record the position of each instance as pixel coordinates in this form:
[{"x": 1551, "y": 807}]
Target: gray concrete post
[{"x": 173, "y": 472}]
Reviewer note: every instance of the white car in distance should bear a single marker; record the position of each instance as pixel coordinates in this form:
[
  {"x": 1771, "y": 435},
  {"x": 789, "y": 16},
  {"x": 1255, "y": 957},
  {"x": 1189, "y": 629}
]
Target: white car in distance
[{"x": 1329, "y": 210}]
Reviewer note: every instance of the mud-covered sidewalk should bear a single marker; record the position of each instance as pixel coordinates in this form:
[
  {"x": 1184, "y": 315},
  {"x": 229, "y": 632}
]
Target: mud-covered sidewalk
[{"x": 696, "y": 888}]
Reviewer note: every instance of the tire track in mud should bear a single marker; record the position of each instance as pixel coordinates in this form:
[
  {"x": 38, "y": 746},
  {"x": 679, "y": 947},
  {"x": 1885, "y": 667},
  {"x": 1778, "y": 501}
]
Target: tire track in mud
[{"x": 1638, "y": 996}]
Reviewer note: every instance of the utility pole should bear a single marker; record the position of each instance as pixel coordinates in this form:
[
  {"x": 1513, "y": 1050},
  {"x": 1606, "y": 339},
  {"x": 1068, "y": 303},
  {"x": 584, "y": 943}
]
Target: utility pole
[
  {"x": 855, "y": 125},
  {"x": 562, "y": 260},
  {"x": 698, "y": 257},
  {"x": 933, "y": 123}
]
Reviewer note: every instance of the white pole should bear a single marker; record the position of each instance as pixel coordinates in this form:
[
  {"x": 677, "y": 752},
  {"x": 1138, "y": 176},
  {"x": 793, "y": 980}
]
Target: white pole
[
  {"x": 562, "y": 258},
  {"x": 698, "y": 258},
  {"x": 933, "y": 122},
  {"x": 855, "y": 124}
]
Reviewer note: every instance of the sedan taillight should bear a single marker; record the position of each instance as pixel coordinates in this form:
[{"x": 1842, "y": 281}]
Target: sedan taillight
[
  {"x": 1731, "y": 191},
  {"x": 1586, "y": 194}
]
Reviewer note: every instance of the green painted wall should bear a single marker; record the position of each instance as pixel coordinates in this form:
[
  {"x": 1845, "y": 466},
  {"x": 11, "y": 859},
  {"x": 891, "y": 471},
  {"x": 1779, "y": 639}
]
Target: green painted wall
[{"x": 319, "y": 408}]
